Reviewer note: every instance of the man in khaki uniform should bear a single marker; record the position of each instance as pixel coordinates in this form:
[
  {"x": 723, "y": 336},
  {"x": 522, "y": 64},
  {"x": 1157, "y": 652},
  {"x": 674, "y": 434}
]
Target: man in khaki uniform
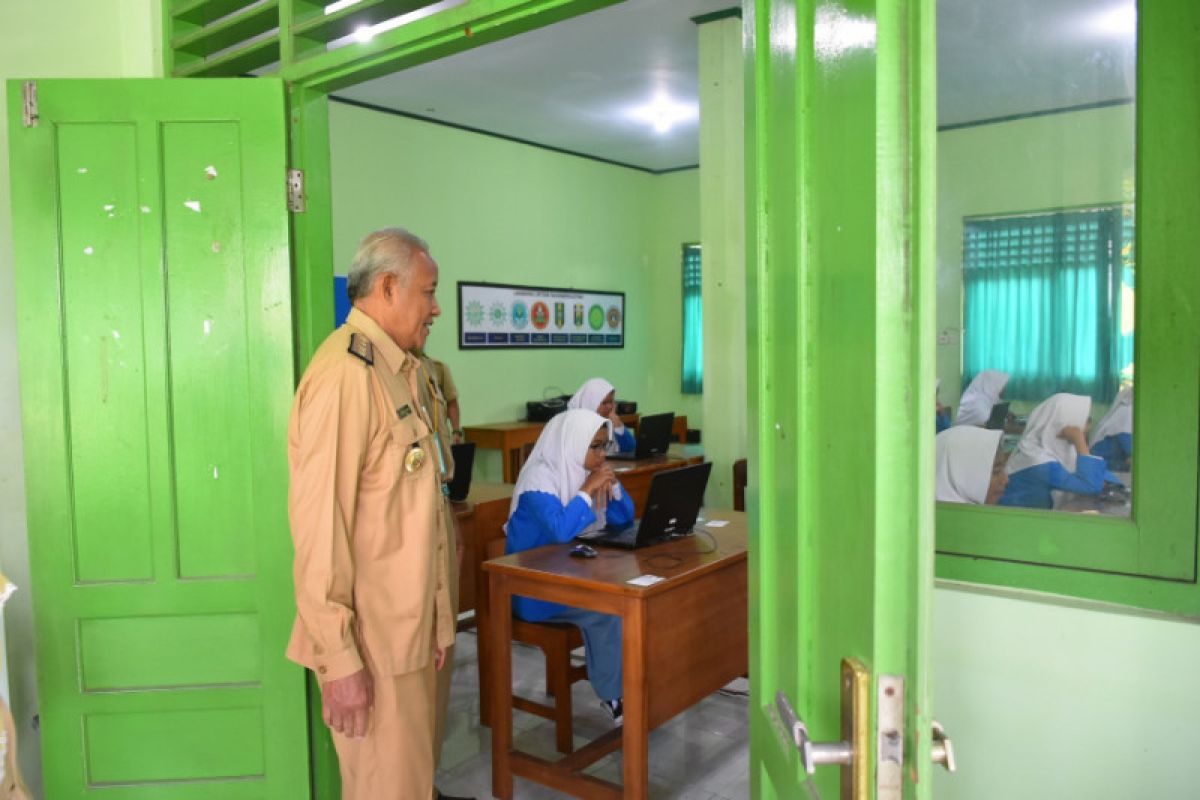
[{"x": 368, "y": 519}]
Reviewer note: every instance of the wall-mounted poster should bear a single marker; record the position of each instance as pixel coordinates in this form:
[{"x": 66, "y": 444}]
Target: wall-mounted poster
[{"x": 498, "y": 315}]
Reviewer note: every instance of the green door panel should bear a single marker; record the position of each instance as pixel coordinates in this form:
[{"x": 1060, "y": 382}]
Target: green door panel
[
  {"x": 840, "y": 131},
  {"x": 154, "y": 317}
]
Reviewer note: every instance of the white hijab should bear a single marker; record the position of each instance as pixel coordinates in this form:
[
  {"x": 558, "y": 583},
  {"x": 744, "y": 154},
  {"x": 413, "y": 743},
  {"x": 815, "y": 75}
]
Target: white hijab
[
  {"x": 1041, "y": 443},
  {"x": 975, "y": 405},
  {"x": 1119, "y": 418},
  {"x": 556, "y": 464},
  {"x": 591, "y": 394},
  {"x": 964, "y": 463}
]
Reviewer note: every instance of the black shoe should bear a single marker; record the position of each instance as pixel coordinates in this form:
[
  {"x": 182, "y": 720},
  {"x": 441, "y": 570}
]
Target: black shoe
[
  {"x": 441, "y": 796},
  {"x": 615, "y": 709}
]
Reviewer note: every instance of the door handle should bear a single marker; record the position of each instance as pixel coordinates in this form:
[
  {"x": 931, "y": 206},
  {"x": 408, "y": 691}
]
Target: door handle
[
  {"x": 855, "y": 732},
  {"x": 942, "y": 748},
  {"x": 812, "y": 754}
]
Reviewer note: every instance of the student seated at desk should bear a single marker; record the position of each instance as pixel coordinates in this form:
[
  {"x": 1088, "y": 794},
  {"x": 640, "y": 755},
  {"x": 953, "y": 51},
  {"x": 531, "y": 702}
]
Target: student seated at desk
[
  {"x": 565, "y": 489},
  {"x": 970, "y": 465},
  {"x": 1112, "y": 439},
  {"x": 943, "y": 412},
  {"x": 1053, "y": 454},
  {"x": 985, "y": 389},
  {"x": 599, "y": 395}
]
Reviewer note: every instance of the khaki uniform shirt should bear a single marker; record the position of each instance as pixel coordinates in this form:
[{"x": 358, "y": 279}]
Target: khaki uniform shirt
[
  {"x": 435, "y": 402},
  {"x": 366, "y": 510}
]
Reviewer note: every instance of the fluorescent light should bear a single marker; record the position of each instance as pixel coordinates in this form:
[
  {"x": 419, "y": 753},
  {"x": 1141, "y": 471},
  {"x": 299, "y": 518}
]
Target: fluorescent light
[
  {"x": 364, "y": 33},
  {"x": 333, "y": 8},
  {"x": 663, "y": 113}
]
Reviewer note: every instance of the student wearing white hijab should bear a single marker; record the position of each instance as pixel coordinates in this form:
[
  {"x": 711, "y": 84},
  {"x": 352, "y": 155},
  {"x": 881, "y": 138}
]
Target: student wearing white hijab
[
  {"x": 970, "y": 465},
  {"x": 598, "y": 395},
  {"x": 1053, "y": 454},
  {"x": 565, "y": 489},
  {"x": 1112, "y": 439},
  {"x": 975, "y": 405}
]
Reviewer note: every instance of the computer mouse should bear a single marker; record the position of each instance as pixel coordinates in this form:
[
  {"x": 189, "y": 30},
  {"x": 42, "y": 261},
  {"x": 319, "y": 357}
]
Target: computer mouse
[{"x": 583, "y": 551}]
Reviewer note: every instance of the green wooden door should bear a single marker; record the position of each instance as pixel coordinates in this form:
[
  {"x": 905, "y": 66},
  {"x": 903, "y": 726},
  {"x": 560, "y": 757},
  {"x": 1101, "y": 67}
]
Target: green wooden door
[
  {"x": 154, "y": 317},
  {"x": 840, "y": 136}
]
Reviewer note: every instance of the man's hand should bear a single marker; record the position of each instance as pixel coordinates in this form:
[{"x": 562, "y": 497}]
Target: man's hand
[
  {"x": 346, "y": 703},
  {"x": 439, "y": 658}
]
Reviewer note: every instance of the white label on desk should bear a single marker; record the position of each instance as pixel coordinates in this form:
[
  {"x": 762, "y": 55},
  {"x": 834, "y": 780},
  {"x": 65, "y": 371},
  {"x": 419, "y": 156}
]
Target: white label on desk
[
  {"x": 645, "y": 580},
  {"x": 716, "y": 523}
]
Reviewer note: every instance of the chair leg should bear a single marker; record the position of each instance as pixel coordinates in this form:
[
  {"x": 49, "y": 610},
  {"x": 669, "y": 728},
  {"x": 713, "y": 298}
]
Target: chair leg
[
  {"x": 554, "y": 677},
  {"x": 558, "y": 671}
]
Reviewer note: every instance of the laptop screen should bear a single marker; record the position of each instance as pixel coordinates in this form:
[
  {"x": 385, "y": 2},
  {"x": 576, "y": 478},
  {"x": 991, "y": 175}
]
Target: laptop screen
[
  {"x": 654, "y": 434},
  {"x": 676, "y": 496}
]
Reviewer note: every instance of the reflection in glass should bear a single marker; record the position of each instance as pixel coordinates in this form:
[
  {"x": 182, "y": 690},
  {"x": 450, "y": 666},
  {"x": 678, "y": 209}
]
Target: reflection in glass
[{"x": 1036, "y": 252}]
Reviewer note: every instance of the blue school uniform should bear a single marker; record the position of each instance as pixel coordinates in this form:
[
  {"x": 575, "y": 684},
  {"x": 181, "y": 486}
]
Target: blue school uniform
[
  {"x": 1116, "y": 451},
  {"x": 625, "y": 440},
  {"x": 1030, "y": 487},
  {"x": 541, "y": 519}
]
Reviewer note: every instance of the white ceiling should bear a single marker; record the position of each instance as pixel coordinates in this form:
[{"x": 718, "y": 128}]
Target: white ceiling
[{"x": 571, "y": 86}]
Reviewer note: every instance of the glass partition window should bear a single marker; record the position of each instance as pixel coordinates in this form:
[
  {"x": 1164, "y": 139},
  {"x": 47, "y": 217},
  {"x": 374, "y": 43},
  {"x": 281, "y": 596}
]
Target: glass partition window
[{"x": 1036, "y": 176}]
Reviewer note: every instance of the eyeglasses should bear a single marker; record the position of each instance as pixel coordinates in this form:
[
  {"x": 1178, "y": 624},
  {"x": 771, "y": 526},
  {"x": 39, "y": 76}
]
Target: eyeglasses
[{"x": 598, "y": 446}]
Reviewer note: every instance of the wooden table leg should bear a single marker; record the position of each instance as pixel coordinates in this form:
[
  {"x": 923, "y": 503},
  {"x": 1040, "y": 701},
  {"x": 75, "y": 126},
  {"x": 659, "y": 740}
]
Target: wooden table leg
[
  {"x": 501, "y": 669},
  {"x": 512, "y": 464},
  {"x": 636, "y": 736}
]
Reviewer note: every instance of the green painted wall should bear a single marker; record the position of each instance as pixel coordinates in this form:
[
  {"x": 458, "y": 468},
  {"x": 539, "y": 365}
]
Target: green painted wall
[
  {"x": 495, "y": 210},
  {"x": 723, "y": 237},
  {"x": 46, "y": 39},
  {"x": 1039, "y": 163},
  {"x": 1051, "y": 699}
]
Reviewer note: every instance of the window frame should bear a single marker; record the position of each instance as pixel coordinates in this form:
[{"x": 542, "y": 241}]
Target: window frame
[{"x": 1107, "y": 558}]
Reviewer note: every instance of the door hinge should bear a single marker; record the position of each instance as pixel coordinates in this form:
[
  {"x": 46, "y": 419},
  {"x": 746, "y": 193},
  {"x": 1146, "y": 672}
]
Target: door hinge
[
  {"x": 29, "y": 105},
  {"x": 295, "y": 191}
]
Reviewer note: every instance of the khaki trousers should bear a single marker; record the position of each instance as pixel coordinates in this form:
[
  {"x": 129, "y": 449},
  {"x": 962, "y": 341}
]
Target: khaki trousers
[{"x": 394, "y": 761}]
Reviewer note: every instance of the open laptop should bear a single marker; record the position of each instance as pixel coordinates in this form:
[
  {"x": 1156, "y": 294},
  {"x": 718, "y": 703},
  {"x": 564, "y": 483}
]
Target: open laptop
[
  {"x": 671, "y": 509},
  {"x": 464, "y": 460},
  {"x": 653, "y": 438},
  {"x": 998, "y": 418}
]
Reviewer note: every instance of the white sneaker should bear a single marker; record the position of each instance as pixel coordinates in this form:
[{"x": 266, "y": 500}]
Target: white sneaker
[{"x": 615, "y": 710}]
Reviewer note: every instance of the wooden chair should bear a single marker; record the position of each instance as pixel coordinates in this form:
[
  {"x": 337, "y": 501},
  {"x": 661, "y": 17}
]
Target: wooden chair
[
  {"x": 739, "y": 485},
  {"x": 556, "y": 641}
]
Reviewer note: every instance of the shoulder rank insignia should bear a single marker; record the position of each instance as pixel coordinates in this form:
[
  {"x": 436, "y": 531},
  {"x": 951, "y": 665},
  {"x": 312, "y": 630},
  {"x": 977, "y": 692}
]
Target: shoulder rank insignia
[
  {"x": 360, "y": 347},
  {"x": 403, "y": 411}
]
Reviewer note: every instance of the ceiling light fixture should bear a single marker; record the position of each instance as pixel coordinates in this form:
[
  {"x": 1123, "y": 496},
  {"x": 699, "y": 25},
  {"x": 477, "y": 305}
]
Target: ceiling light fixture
[
  {"x": 663, "y": 113},
  {"x": 364, "y": 33},
  {"x": 333, "y": 8}
]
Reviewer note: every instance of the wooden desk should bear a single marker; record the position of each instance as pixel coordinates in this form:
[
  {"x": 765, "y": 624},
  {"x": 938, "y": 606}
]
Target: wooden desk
[
  {"x": 511, "y": 439},
  {"x": 684, "y": 638},
  {"x": 479, "y": 517}
]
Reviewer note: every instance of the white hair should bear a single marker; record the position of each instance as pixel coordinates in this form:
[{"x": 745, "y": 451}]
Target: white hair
[{"x": 387, "y": 250}]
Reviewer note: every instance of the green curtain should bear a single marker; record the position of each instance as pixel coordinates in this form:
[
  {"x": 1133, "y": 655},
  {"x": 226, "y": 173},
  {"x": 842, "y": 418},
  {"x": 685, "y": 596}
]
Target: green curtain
[
  {"x": 1043, "y": 301},
  {"x": 693, "y": 323}
]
